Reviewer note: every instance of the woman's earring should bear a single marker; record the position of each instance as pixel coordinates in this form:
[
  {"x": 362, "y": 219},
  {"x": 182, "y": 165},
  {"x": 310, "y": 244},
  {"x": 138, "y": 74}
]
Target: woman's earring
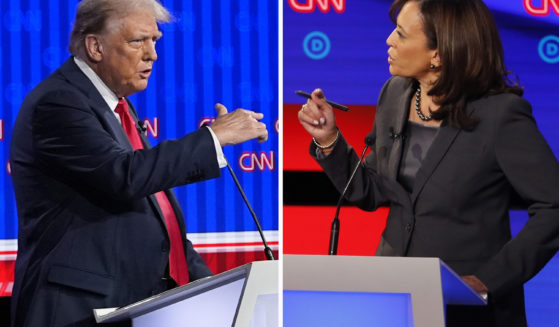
[{"x": 432, "y": 66}]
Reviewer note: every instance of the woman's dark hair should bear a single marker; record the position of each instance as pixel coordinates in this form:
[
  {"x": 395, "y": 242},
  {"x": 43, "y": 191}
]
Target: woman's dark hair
[{"x": 472, "y": 57}]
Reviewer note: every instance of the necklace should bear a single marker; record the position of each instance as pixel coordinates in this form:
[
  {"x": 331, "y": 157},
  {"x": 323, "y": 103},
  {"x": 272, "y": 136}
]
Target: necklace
[{"x": 417, "y": 105}]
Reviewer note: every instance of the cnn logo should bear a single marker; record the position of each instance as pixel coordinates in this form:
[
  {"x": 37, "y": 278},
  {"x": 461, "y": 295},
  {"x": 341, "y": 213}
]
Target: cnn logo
[
  {"x": 545, "y": 8},
  {"x": 311, "y": 5},
  {"x": 251, "y": 161}
]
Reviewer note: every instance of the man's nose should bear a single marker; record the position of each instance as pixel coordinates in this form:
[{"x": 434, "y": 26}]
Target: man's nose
[{"x": 150, "y": 54}]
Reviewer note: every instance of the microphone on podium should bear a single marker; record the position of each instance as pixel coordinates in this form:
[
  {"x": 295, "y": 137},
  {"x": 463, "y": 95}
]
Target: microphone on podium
[
  {"x": 267, "y": 250},
  {"x": 335, "y": 228}
]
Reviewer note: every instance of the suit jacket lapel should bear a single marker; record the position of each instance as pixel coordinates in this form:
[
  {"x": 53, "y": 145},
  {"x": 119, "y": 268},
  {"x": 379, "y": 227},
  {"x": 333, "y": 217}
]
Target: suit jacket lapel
[
  {"x": 152, "y": 197},
  {"x": 170, "y": 194},
  {"x": 134, "y": 115},
  {"x": 399, "y": 117},
  {"x": 435, "y": 154},
  {"x": 116, "y": 128},
  {"x": 72, "y": 72},
  {"x": 441, "y": 144}
]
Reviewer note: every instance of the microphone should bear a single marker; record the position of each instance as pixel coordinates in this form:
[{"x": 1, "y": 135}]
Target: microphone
[
  {"x": 141, "y": 127},
  {"x": 335, "y": 228},
  {"x": 370, "y": 139},
  {"x": 394, "y": 135},
  {"x": 267, "y": 251}
]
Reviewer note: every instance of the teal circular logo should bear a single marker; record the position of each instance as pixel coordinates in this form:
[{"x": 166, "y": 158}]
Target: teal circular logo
[{"x": 316, "y": 45}]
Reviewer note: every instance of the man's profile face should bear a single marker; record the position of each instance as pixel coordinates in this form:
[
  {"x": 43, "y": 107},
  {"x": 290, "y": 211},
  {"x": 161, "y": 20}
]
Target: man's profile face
[{"x": 129, "y": 52}]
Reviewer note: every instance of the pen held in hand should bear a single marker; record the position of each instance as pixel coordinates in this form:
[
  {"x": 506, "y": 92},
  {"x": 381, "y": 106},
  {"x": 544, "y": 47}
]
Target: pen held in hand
[{"x": 333, "y": 104}]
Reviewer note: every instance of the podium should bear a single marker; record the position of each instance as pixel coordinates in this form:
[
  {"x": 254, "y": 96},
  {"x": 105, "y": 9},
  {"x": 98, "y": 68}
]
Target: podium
[
  {"x": 370, "y": 291},
  {"x": 241, "y": 297}
]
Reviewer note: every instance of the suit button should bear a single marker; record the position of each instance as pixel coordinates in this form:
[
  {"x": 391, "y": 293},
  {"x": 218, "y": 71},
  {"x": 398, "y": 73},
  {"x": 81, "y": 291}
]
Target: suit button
[
  {"x": 164, "y": 247},
  {"x": 408, "y": 228}
]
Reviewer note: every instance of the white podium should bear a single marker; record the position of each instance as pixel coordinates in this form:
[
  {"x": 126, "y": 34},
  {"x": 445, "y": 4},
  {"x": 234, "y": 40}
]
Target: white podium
[
  {"x": 370, "y": 291},
  {"x": 241, "y": 297}
]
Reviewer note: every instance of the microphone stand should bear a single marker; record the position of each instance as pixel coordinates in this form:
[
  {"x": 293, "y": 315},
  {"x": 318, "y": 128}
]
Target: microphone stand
[
  {"x": 267, "y": 251},
  {"x": 335, "y": 228}
]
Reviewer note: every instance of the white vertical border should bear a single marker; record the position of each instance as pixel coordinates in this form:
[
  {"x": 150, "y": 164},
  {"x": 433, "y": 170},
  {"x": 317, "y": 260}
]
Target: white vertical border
[{"x": 280, "y": 162}]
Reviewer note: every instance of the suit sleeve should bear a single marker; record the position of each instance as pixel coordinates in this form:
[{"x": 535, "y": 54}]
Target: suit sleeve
[
  {"x": 365, "y": 190},
  {"x": 533, "y": 171},
  {"x": 71, "y": 143},
  {"x": 197, "y": 268}
]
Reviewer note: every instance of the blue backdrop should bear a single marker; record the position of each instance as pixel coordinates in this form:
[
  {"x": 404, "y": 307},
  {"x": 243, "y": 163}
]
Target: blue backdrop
[
  {"x": 216, "y": 51},
  {"x": 340, "y": 46}
]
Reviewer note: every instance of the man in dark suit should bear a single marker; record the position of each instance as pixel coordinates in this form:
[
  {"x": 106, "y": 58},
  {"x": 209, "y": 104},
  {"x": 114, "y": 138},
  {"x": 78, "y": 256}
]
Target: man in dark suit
[{"x": 99, "y": 226}]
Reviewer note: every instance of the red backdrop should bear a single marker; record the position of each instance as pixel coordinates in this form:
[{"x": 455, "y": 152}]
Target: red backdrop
[{"x": 306, "y": 229}]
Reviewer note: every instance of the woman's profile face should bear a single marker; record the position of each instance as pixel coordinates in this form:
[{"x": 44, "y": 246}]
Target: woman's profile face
[{"x": 409, "y": 55}]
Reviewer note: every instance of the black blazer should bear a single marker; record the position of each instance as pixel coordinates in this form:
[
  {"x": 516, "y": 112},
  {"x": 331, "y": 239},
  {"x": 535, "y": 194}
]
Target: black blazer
[
  {"x": 91, "y": 234},
  {"x": 458, "y": 208}
]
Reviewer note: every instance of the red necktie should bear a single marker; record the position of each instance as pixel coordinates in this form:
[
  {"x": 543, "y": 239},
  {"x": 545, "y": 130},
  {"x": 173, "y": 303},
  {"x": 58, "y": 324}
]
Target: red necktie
[{"x": 177, "y": 260}]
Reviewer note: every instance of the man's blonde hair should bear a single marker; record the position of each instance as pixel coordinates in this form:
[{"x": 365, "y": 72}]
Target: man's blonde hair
[{"x": 92, "y": 17}]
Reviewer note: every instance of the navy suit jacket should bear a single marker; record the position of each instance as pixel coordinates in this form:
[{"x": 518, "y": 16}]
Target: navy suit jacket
[
  {"x": 91, "y": 233},
  {"x": 458, "y": 207}
]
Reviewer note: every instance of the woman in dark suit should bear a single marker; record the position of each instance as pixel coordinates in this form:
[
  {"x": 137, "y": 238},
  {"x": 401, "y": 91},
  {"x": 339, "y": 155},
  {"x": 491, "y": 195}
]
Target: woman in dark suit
[{"x": 452, "y": 140}]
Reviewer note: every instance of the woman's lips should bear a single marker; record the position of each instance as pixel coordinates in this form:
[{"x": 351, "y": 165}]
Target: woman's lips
[{"x": 390, "y": 59}]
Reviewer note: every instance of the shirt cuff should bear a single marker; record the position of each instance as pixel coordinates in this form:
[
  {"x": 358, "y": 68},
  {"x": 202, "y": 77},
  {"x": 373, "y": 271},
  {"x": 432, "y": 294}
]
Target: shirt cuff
[{"x": 221, "y": 161}]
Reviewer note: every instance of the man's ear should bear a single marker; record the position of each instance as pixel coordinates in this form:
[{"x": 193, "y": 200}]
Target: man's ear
[{"x": 93, "y": 47}]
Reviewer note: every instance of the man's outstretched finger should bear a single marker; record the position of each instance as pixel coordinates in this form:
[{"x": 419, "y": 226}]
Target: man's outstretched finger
[
  {"x": 264, "y": 137},
  {"x": 221, "y": 109},
  {"x": 257, "y": 115}
]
